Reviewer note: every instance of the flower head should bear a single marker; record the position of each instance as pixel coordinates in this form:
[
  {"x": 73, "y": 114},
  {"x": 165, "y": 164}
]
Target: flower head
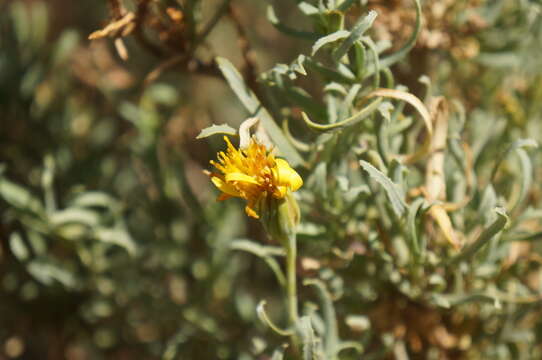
[{"x": 253, "y": 174}]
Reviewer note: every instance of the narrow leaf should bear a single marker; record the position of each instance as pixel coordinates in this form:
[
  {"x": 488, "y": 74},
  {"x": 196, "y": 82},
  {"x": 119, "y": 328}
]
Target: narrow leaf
[
  {"x": 308, "y": 9},
  {"x": 18, "y": 247},
  {"x": 518, "y": 144},
  {"x": 298, "y": 144},
  {"x": 262, "y": 315},
  {"x": 310, "y": 341},
  {"x": 272, "y": 17},
  {"x": 350, "y": 345},
  {"x": 484, "y": 238},
  {"x": 422, "y": 110},
  {"x": 345, "y": 5},
  {"x": 331, "y": 340},
  {"x": 266, "y": 253},
  {"x": 415, "y": 241},
  {"x": 392, "y": 190},
  {"x": 278, "y": 354},
  {"x": 47, "y": 273},
  {"x": 526, "y": 175},
  {"x": 75, "y": 215},
  {"x": 439, "y": 214},
  {"x": 19, "y": 197},
  {"x": 359, "y": 29},
  {"x": 216, "y": 129},
  {"x": 117, "y": 236},
  {"x": 330, "y": 74},
  {"x": 255, "y": 108},
  {"x": 395, "y": 57},
  {"x": 94, "y": 199},
  {"x": 356, "y": 118},
  {"x": 328, "y": 39}
]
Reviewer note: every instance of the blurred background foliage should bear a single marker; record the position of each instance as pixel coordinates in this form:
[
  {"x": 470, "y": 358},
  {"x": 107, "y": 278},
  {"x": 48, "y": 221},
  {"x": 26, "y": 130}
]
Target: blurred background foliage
[{"x": 113, "y": 246}]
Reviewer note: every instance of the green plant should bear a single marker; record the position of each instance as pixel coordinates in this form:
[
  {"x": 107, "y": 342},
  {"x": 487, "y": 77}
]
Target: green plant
[{"x": 420, "y": 209}]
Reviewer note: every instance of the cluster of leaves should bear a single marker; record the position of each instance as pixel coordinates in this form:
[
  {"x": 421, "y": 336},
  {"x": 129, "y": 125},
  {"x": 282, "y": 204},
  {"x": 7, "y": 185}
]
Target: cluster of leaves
[{"x": 421, "y": 209}]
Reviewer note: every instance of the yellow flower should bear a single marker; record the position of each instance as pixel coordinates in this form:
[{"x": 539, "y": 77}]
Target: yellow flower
[{"x": 253, "y": 174}]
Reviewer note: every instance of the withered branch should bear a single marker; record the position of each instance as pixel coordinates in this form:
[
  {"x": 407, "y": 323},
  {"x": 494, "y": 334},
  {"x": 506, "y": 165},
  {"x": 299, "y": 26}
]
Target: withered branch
[{"x": 141, "y": 15}]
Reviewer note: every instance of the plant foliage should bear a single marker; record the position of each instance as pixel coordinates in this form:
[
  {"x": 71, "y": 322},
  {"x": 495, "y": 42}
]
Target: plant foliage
[{"x": 416, "y": 128}]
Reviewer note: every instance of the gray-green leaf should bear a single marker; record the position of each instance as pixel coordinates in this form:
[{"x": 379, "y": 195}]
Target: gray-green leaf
[
  {"x": 216, "y": 129},
  {"x": 359, "y": 29},
  {"x": 328, "y": 39},
  {"x": 392, "y": 190},
  {"x": 255, "y": 108}
]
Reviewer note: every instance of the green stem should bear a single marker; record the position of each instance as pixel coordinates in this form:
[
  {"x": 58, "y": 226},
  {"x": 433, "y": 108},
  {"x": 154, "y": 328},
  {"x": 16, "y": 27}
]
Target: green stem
[{"x": 291, "y": 287}]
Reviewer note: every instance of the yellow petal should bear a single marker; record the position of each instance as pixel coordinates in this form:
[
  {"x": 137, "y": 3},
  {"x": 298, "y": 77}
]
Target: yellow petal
[
  {"x": 223, "y": 197},
  {"x": 281, "y": 191},
  {"x": 286, "y": 176},
  {"x": 250, "y": 212},
  {"x": 224, "y": 186},
  {"x": 236, "y": 176}
]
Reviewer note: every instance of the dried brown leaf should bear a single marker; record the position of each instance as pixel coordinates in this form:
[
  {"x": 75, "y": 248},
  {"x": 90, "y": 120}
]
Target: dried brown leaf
[
  {"x": 435, "y": 182},
  {"x": 122, "y": 27},
  {"x": 422, "y": 110}
]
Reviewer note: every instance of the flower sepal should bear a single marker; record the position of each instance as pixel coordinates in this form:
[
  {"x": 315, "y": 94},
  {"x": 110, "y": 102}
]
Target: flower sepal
[{"x": 279, "y": 216}]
